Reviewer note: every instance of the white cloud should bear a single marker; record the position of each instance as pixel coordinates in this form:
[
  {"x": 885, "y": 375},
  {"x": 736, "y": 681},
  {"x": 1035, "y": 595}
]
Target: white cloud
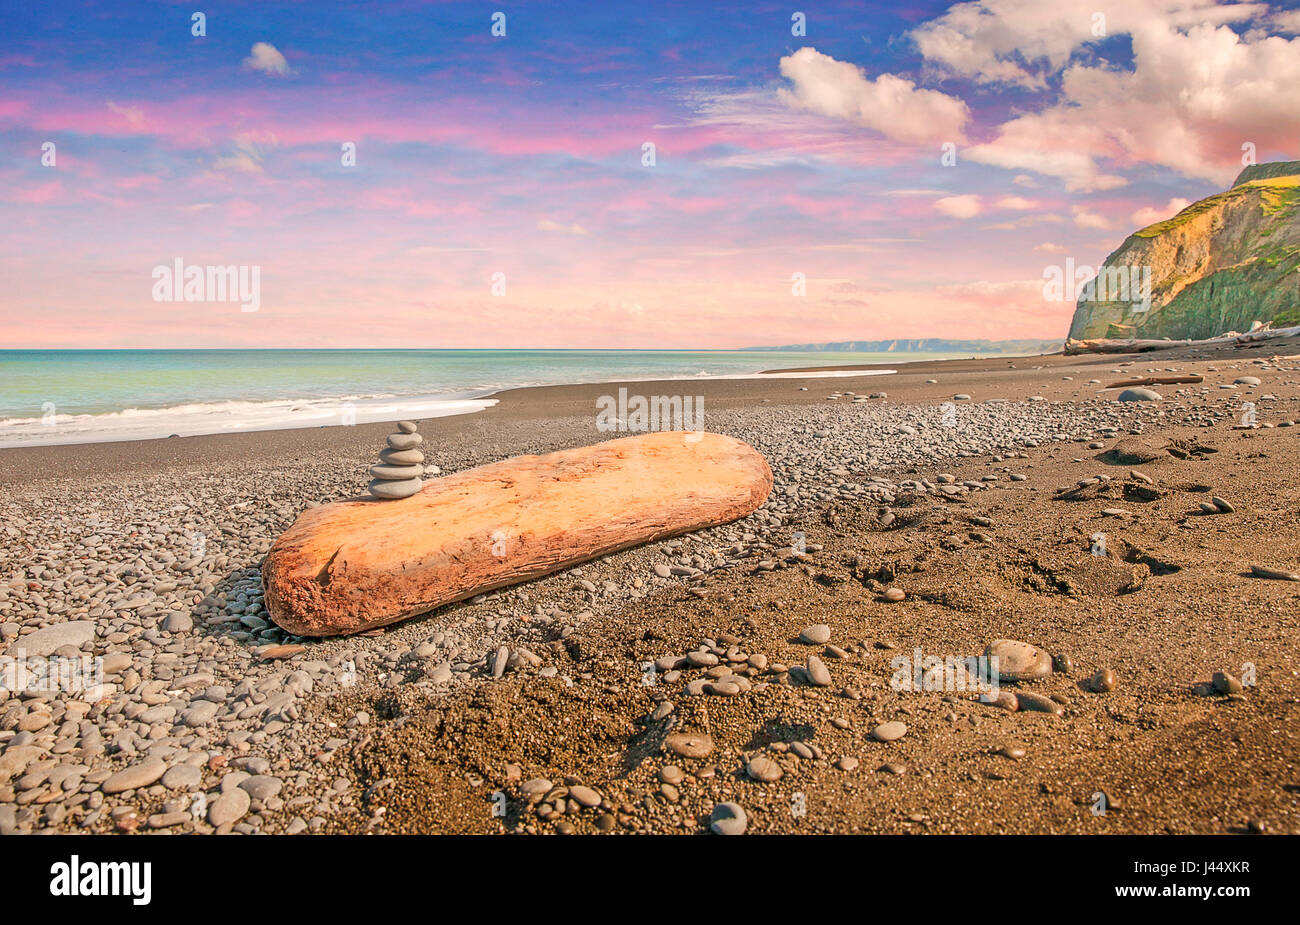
[
  {"x": 1195, "y": 92},
  {"x": 1025, "y": 42},
  {"x": 132, "y": 114},
  {"x": 1021, "y": 145},
  {"x": 1150, "y": 215},
  {"x": 959, "y": 206},
  {"x": 547, "y": 225},
  {"x": 1286, "y": 21},
  {"x": 266, "y": 58},
  {"x": 249, "y": 151},
  {"x": 1047, "y": 247},
  {"x": 774, "y": 134},
  {"x": 1085, "y": 218},
  {"x": 1203, "y": 78},
  {"x": 1004, "y": 41},
  {"x": 1016, "y": 203},
  {"x": 755, "y": 160},
  {"x": 890, "y": 105},
  {"x": 240, "y": 162}
]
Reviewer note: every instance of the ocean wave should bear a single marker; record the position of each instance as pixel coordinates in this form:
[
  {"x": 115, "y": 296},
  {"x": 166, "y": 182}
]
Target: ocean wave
[{"x": 195, "y": 418}]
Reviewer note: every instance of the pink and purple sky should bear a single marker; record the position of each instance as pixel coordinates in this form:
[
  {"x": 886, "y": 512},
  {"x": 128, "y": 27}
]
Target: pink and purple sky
[{"x": 775, "y": 154}]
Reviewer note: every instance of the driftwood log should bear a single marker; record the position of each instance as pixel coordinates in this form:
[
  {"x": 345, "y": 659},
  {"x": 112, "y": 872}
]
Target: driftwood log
[
  {"x": 356, "y": 565},
  {"x": 1132, "y": 345},
  {"x": 1256, "y": 336},
  {"x": 1154, "y": 380}
]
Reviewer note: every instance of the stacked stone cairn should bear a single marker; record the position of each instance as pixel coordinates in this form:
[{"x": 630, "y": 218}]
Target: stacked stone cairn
[{"x": 401, "y": 464}]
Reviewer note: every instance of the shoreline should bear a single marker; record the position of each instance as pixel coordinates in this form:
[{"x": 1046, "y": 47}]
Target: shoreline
[
  {"x": 409, "y": 405},
  {"x": 511, "y": 403},
  {"x": 982, "y": 378}
]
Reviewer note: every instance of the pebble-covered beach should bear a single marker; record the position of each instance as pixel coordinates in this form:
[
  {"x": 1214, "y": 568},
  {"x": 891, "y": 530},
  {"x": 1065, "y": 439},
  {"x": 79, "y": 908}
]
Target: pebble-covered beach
[{"x": 733, "y": 680}]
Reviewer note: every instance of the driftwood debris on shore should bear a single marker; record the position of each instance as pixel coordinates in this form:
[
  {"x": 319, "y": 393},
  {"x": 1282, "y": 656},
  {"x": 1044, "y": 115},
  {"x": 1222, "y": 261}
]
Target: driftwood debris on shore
[
  {"x": 356, "y": 565},
  {"x": 1256, "y": 335},
  {"x": 1154, "y": 380}
]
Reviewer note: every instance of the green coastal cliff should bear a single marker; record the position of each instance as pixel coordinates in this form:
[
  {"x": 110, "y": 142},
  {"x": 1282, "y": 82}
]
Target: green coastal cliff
[{"x": 1219, "y": 265}]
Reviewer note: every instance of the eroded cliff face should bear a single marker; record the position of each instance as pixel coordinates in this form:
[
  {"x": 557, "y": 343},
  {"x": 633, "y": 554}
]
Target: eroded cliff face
[{"x": 1219, "y": 265}]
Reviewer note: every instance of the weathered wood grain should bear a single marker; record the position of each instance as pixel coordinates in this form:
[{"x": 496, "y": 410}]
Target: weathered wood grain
[{"x": 355, "y": 565}]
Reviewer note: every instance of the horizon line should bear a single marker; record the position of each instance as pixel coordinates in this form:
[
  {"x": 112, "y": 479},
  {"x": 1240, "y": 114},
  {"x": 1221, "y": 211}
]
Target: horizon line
[{"x": 756, "y": 348}]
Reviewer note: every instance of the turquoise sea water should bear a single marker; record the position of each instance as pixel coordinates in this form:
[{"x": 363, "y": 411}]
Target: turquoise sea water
[{"x": 73, "y": 396}]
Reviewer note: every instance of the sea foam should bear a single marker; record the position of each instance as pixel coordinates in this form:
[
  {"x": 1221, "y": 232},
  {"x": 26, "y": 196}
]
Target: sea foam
[{"x": 227, "y": 417}]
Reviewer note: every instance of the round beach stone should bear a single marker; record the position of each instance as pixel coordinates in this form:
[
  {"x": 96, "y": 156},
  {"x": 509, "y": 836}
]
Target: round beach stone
[
  {"x": 401, "y": 457},
  {"x": 535, "y": 788},
  {"x": 182, "y": 777},
  {"x": 1030, "y": 702},
  {"x": 1019, "y": 661},
  {"x": 200, "y": 713},
  {"x": 1103, "y": 681},
  {"x": 117, "y": 662},
  {"x": 406, "y": 427},
  {"x": 728, "y": 819},
  {"x": 762, "y": 768},
  {"x": 1246, "y": 380},
  {"x": 1225, "y": 683},
  {"x": 230, "y": 807},
  {"x": 43, "y": 642},
  {"x": 889, "y": 732},
  {"x": 176, "y": 622},
  {"x": 816, "y": 635},
  {"x": 396, "y": 473},
  {"x": 671, "y": 774},
  {"x": 391, "y": 491},
  {"x": 261, "y": 786},
  {"x": 136, "y": 776},
  {"x": 894, "y": 595},
  {"x": 585, "y": 795},
  {"x": 404, "y": 441},
  {"x": 818, "y": 674},
  {"x": 1003, "y": 700},
  {"x": 689, "y": 744},
  {"x": 1140, "y": 394}
]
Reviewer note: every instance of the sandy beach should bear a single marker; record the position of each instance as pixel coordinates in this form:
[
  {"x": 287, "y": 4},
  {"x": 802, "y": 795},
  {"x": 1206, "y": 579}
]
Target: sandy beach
[{"x": 537, "y": 709}]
